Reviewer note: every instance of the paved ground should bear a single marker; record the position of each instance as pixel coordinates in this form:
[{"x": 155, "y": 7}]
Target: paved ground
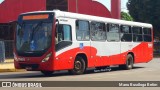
[
  {"x": 7, "y": 66},
  {"x": 142, "y": 72}
]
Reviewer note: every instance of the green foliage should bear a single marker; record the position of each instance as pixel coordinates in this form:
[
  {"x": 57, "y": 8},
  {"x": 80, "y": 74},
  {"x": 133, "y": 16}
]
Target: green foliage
[
  {"x": 126, "y": 16},
  {"x": 147, "y": 11}
]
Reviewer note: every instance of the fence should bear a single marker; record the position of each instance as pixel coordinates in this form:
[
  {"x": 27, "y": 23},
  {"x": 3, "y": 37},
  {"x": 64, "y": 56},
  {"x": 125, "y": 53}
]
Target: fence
[
  {"x": 157, "y": 48},
  {"x": 8, "y": 47},
  {"x": 2, "y": 52}
]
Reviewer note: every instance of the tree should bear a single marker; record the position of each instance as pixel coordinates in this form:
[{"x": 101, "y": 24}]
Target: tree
[
  {"x": 126, "y": 16},
  {"x": 146, "y": 11}
]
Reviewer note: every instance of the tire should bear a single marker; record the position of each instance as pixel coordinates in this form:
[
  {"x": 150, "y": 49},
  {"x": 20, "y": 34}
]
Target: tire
[
  {"x": 47, "y": 73},
  {"x": 129, "y": 63},
  {"x": 79, "y": 66}
]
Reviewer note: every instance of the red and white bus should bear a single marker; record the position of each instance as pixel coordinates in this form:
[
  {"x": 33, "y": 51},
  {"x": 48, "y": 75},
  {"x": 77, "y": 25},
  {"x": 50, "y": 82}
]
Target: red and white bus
[{"x": 49, "y": 41}]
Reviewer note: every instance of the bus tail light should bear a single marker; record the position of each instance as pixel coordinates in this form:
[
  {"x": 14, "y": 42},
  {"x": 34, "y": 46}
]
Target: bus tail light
[{"x": 47, "y": 57}]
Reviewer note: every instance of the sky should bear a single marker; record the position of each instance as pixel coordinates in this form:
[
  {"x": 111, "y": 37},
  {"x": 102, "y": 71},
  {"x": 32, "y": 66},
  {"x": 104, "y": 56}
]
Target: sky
[
  {"x": 1, "y": 1},
  {"x": 107, "y": 4}
]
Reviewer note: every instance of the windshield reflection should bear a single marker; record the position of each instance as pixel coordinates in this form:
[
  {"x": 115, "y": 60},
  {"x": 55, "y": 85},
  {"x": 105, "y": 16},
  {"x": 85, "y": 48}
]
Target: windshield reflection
[{"x": 33, "y": 36}]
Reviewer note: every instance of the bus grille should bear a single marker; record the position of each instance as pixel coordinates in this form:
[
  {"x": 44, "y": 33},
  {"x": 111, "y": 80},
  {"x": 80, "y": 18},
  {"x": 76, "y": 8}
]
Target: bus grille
[{"x": 33, "y": 66}]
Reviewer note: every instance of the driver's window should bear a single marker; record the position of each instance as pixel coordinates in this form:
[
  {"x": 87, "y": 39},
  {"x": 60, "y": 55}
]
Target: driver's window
[{"x": 63, "y": 33}]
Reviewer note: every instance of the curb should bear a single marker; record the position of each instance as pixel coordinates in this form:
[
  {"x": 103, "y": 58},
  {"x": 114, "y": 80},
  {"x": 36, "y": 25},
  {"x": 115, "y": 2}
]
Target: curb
[
  {"x": 9, "y": 67},
  {"x": 11, "y": 70}
]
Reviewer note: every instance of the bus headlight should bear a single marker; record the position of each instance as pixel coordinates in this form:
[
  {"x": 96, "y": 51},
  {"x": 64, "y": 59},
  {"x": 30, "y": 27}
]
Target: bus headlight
[{"x": 47, "y": 58}]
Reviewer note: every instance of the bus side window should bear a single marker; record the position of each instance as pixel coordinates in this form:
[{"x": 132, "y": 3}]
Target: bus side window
[
  {"x": 82, "y": 30},
  {"x": 63, "y": 33},
  {"x": 113, "y": 33},
  {"x": 98, "y": 31},
  {"x": 126, "y": 33},
  {"x": 137, "y": 34},
  {"x": 147, "y": 35},
  {"x": 67, "y": 33}
]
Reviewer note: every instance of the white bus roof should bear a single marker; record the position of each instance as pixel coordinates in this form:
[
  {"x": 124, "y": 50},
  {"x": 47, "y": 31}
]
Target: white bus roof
[{"x": 59, "y": 13}]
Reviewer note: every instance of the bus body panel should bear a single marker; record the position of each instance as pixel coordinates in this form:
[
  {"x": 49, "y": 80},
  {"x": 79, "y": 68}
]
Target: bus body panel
[
  {"x": 98, "y": 53},
  {"x": 34, "y": 64}
]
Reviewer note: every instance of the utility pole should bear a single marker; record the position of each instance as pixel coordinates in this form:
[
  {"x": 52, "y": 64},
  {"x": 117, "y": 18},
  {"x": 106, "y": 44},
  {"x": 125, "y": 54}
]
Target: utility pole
[
  {"x": 116, "y": 9},
  {"x": 76, "y": 6}
]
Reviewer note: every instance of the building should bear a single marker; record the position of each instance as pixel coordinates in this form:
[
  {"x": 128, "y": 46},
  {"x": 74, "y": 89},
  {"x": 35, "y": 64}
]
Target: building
[{"x": 10, "y": 9}]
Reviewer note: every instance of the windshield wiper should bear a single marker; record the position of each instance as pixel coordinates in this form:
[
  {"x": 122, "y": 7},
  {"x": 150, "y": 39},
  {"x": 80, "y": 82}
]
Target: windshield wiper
[
  {"x": 21, "y": 28},
  {"x": 35, "y": 29}
]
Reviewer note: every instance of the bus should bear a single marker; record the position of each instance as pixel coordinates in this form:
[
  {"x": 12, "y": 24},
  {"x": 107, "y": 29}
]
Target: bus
[{"x": 49, "y": 41}]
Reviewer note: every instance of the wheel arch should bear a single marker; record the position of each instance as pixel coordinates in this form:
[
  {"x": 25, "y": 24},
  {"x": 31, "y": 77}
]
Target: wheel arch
[{"x": 84, "y": 56}]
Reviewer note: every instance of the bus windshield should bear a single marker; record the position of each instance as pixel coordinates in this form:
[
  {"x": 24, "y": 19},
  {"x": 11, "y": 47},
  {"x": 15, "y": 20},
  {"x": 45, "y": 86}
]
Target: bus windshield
[{"x": 33, "y": 36}]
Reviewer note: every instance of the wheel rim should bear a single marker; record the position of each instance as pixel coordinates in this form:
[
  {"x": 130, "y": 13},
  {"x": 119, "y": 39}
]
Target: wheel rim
[
  {"x": 78, "y": 66},
  {"x": 129, "y": 63}
]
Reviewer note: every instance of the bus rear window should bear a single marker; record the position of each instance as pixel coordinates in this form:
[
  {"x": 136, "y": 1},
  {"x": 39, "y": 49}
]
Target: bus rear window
[
  {"x": 147, "y": 35},
  {"x": 137, "y": 34}
]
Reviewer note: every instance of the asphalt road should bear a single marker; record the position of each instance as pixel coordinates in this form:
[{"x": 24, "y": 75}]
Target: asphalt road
[{"x": 141, "y": 72}]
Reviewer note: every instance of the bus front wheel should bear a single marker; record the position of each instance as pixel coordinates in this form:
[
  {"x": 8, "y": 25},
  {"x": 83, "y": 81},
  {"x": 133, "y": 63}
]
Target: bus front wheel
[
  {"x": 79, "y": 66},
  {"x": 129, "y": 63}
]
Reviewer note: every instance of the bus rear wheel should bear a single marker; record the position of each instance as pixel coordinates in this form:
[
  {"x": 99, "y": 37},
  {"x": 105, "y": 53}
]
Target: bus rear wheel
[
  {"x": 79, "y": 66},
  {"x": 129, "y": 63},
  {"x": 47, "y": 73}
]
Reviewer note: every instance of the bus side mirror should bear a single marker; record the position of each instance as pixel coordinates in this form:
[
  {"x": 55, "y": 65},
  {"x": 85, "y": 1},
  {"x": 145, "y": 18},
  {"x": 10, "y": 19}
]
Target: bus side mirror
[
  {"x": 57, "y": 27},
  {"x": 18, "y": 28},
  {"x": 57, "y": 23}
]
